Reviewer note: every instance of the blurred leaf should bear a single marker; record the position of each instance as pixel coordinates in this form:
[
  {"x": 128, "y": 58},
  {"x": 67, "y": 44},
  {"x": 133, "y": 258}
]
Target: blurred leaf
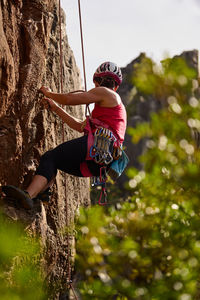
[
  {"x": 20, "y": 271},
  {"x": 148, "y": 248}
]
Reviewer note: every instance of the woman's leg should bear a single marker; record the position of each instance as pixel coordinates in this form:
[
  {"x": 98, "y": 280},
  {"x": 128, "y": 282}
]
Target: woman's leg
[
  {"x": 66, "y": 157},
  {"x": 37, "y": 185}
]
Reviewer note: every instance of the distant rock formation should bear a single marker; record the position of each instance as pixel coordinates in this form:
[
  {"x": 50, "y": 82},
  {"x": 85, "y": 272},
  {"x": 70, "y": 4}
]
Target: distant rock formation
[
  {"x": 29, "y": 58},
  {"x": 140, "y": 108}
]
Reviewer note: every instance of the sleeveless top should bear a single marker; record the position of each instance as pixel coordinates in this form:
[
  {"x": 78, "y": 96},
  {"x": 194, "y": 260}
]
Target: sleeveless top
[{"x": 115, "y": 117}]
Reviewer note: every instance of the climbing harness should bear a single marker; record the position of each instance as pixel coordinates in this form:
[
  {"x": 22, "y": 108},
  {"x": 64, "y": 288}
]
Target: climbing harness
[{"x": 106, "y": 150}]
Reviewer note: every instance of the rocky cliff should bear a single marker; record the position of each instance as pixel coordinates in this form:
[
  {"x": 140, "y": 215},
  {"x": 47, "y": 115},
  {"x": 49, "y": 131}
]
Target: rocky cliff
[{"x": 29, "y": 58}]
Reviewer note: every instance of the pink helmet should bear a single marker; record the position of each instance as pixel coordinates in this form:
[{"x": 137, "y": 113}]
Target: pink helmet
[{"x": 109, "y": 69}]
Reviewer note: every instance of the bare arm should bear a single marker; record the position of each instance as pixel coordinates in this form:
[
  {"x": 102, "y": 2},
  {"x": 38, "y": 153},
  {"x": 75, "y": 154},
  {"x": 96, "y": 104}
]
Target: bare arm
[
  {"x": 72, "y": 122},
  {"x": 101, "y": 95},
  {"x": 93, "y": 96},
  {"x": 75, "y": 99}
]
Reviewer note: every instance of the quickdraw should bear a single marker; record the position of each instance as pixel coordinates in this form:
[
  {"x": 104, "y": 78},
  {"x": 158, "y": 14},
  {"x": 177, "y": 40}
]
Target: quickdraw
[
  {"x": 103, "y": 152},
  {"x": 101, "y": 181},
  {"x": 102, "y": 149}
]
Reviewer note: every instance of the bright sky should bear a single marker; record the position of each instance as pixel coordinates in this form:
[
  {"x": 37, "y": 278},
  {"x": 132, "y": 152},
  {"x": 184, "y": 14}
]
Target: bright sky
[{"x": 119, "y": 31}]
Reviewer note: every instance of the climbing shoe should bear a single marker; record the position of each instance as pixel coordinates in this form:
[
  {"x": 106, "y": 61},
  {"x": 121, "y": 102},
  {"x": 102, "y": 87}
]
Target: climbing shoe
[
  {"x": 44, "y": 196},
  {"x": 17, "y": 194}
]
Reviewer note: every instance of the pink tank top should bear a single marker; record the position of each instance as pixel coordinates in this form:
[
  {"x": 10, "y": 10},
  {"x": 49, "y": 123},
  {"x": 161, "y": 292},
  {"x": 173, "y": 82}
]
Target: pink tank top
[{"x": 114, "y": 117}]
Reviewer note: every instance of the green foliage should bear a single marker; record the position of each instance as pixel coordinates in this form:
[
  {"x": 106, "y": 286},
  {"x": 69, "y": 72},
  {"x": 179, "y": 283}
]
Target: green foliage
[
  {"x": 148, "y": 248},
  {"x": 20, "y": 271},
  {"x": 153, "y": 79}
]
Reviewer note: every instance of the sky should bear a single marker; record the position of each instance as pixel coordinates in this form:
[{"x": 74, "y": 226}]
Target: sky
[{"x": 119, "y": 31}]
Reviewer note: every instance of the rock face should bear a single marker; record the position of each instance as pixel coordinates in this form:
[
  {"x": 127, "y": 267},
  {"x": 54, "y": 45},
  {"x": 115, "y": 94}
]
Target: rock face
[{"x": 29, "y": 58}]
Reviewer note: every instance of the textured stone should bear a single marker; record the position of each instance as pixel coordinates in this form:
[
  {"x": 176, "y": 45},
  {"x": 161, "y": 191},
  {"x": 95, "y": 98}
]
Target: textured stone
[{"x": 29, "y": 58}]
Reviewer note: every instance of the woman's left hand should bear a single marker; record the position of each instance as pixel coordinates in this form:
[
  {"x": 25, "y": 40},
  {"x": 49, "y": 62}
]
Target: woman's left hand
[{"x": 50, "y": 104}]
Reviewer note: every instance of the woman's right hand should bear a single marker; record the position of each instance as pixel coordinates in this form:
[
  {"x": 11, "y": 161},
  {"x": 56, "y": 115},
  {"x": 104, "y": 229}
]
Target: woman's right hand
[
  {"x": 50, "y": 104},
  {"x": 45, "y": 90}
]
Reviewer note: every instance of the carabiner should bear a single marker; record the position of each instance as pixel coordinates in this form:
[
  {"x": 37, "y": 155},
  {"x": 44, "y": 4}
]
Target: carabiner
[
  {"x": 98, "y": 158},
  {"x": 108, "y": 159},
  {"x": 93, "y": 152},
  {"x": 98, "y": 131}
]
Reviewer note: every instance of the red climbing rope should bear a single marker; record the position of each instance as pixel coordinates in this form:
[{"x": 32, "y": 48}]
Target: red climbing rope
[
  {"x": 61, "y": 52},
  {"x": 61, "y": 62},
  {"x": 83, "y": 55},
  {"x": 69, "y": 281},
  {"x": 82, "y": 46}
]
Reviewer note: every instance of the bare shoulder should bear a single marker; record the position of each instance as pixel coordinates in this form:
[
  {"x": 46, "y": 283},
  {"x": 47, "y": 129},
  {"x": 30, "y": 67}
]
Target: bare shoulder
[
  {"x": 109, "y": 98},
  {"x": 101, "y": 90}
]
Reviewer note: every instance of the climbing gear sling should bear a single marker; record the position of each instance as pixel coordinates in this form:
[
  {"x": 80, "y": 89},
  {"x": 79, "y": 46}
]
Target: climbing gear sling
[{"x": 106, "y": 150}]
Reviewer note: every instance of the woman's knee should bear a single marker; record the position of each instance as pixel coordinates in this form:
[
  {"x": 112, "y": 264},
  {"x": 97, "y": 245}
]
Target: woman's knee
[
  {"x": 47, "y": 166},
  {"x": 47, "y": 156}
]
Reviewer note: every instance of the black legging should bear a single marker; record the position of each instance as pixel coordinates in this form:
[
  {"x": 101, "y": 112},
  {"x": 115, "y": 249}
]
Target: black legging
[{"x": 66, "y": 157}]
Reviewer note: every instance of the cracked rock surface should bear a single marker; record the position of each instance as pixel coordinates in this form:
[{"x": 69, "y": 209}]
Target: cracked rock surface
[{"x": 29, "y": 58}]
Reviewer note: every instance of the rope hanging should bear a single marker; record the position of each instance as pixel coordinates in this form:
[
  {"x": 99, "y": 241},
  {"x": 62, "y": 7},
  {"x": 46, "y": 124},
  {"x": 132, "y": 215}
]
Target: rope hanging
[
  {"x": 69, "y": 281},
  {"x": 82, "y": 47},
  {"x": 83, "y": 55},
  {"x": 61, "y": 52}
]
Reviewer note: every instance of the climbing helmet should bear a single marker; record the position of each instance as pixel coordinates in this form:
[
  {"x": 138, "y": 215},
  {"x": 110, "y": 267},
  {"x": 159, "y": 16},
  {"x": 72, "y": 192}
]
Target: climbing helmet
[{"x": 109, "y": 69}]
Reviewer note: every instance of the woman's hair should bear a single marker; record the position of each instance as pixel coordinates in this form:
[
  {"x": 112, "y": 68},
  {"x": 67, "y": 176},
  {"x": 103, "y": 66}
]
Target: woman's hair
[{"x": 106, "y": 81}]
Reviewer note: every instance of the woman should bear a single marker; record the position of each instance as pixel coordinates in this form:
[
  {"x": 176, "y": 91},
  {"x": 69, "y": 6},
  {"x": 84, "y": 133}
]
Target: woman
[{"x": 72, "y": 156}]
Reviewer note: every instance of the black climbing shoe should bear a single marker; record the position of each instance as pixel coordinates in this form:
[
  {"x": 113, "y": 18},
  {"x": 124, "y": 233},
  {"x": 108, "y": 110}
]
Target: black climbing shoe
[
  {"x": 44, "y": 196},
  {"x": 15, "y": 193}
]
